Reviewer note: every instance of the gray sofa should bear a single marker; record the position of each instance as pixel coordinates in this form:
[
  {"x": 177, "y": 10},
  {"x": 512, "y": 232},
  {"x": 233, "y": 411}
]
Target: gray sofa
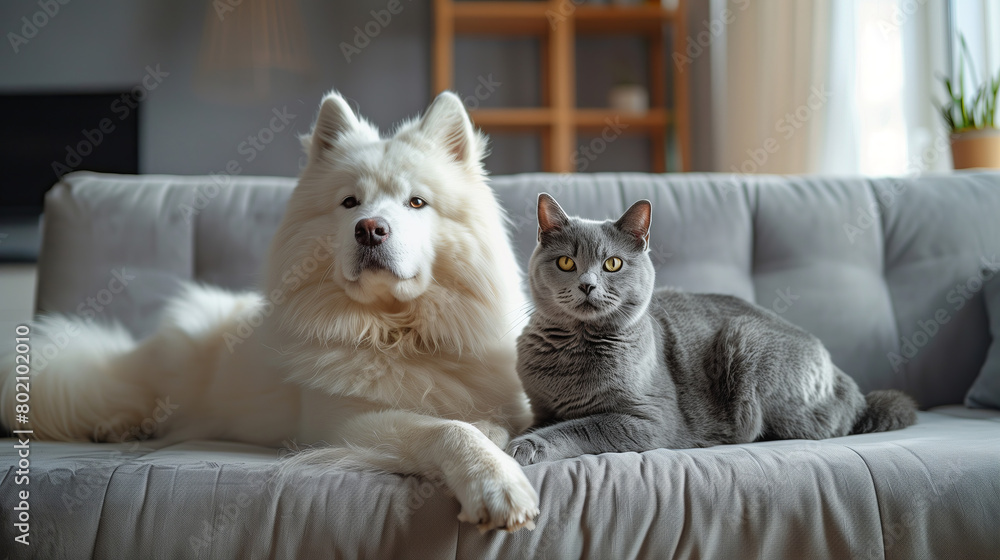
[{"x": 866, "y": 265}]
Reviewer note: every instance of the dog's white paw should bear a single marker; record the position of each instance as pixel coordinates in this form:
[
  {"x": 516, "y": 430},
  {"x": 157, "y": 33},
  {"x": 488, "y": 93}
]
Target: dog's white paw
[
  {"x": 498, "y": 496},
  {"x": 496, "y": 434}
]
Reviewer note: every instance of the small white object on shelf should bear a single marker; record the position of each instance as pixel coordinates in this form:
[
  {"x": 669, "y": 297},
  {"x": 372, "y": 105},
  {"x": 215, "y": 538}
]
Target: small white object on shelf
[{"x": 629, "y": 98}]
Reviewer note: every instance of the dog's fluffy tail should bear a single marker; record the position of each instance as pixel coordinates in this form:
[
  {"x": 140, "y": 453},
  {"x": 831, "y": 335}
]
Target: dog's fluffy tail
[
  {"x": 77, "y": 385},
  {"x": 347, "y": 457},
  {"x": 886, "y": 410}
]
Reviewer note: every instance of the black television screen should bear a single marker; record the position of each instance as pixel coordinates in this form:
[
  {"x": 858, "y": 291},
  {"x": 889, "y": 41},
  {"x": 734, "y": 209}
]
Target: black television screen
[{"x": 46, "y": 136}]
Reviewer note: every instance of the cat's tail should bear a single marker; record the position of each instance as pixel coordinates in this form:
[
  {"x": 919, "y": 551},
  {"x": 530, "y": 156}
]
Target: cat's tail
[{"x": 886, "y": 410}]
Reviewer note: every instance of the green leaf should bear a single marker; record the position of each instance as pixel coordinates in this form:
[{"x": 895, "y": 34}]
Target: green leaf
[
  {"x": 969, "y": 109},
  {"x": 972, "y": 63},
  {"x": 946, "y": 114}
]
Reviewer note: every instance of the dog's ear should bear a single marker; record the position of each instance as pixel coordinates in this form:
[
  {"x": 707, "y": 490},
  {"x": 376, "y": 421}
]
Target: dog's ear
[
  {"x": 551, "y": 216},
  {"x": 447, "y": 123},
  {"x": 636, "y": 220},
  {"x": 334, "y": 121}
]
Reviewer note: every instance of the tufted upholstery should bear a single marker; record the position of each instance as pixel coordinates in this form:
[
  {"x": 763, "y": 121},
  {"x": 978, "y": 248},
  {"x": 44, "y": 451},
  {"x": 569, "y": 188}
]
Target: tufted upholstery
[
  {"x": 794, "y": 244},
  {"x": 862, "y": 264},
  {"x": 884, "y": 271}
]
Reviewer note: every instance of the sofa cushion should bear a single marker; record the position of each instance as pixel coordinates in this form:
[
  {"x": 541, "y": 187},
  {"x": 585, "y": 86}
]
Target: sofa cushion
[
  {"x": 985, "y": 390},
  {"x": 883, "y": 271},
  {"x": 867, "y": 265},
  {"x": 152, "y": 232},
  {"x": 930, "y": 491}
]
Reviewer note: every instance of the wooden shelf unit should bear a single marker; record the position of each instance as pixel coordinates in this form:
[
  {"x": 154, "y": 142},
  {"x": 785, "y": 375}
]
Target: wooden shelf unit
[{"x": 556, "y": 23}]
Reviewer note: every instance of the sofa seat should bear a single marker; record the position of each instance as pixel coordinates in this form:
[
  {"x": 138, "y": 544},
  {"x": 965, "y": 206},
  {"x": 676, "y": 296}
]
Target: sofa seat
[
  {"x": 886, "y": 272},
  {"x": 849, "y": 497}
]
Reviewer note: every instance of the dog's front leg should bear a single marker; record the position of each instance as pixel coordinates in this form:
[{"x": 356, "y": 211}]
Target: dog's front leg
[
  {"x": 489, "y": 484},
  {"x": 496, "y": 433}
]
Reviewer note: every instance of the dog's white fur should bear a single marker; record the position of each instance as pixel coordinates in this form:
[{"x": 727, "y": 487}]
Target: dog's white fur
[{"x": 407, "y": 368}]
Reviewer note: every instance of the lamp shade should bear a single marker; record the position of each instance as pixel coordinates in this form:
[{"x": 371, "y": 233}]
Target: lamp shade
[{"x": 251, "y": 48}]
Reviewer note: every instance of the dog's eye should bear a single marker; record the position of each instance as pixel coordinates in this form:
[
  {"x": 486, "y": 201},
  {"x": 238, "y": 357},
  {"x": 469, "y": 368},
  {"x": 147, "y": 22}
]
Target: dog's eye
[
  {"x": 349, "y": 202},
  {"x": 566, "y": 264},
  {"x": 417, "y": 202},
  {"x": 613, "y": 264}
]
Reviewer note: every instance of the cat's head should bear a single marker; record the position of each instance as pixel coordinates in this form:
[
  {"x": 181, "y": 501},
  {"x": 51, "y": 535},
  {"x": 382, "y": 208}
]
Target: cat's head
[{"x": 589, "y": 271}]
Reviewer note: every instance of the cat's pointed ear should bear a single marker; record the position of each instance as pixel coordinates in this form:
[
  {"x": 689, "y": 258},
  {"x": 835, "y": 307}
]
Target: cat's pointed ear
[
  {"x": 635, "y": 222},
  {"x": 550, "y": 215}
]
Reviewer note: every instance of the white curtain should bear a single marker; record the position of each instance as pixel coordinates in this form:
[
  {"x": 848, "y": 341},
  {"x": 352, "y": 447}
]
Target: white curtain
[
  {"x": 835, "y": 86},
  {"x": 926, "y": 37},
  {"x": 979, "y": 22},
  {"x": 776, "y": 86}
]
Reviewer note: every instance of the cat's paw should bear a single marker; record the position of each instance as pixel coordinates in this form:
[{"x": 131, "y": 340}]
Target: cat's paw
[{"x": 529, "y": 449}]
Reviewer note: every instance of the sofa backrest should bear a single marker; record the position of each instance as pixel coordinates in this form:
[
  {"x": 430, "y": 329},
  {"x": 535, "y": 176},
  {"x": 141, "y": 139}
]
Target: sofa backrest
[{"x": 887, "y": 272}]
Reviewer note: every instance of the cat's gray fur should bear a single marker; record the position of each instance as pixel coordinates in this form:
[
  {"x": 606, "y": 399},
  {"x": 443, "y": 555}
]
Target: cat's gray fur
[{"x": 610, "y": 365}]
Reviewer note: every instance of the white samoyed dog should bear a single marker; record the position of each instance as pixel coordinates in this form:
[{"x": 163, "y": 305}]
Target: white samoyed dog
[{"x": 390, "y": 293}]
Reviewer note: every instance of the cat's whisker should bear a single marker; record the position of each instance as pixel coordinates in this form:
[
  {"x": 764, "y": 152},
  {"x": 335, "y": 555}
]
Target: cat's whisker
[
  {"x": 524, "y": 313},
  {"x": 520, "y": 308},
  {"x": 518, "y": 321}
]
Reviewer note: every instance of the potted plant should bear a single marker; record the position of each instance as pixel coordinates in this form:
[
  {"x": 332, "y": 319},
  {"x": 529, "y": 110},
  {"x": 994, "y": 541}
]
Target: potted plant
[{"x": 975, "y": 139}]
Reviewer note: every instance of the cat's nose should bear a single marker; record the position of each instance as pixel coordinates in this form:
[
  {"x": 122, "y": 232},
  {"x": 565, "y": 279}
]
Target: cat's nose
[
  {"x": 588, "y": 281},
  {"x": 371, "y": 231}
]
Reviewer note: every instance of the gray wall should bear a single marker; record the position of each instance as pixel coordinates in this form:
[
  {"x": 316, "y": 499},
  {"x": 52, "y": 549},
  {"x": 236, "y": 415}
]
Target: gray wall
[{"x": 107, "y": 44}]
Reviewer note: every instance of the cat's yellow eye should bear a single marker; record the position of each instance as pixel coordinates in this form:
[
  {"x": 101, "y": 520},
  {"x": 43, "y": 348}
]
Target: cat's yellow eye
[
  {"x": 566, "y": 264},
  {"x": 613, "y": 264}
]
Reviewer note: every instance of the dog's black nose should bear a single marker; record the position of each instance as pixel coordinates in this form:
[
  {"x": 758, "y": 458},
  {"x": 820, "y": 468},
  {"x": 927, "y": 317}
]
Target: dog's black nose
[
  {"x": 371, "y": 231},
  {"x": 587, "y": 288}
]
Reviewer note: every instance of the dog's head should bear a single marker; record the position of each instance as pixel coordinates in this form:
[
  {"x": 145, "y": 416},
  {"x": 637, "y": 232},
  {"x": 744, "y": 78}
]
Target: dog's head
[
  {"x": 399, "y": 224},
  {"x": 384, "y": 201}
]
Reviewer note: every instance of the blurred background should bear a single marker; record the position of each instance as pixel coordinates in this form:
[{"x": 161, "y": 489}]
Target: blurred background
[
  {"x": 227, "y": 64},
  {"x": 851, "y": 87}
]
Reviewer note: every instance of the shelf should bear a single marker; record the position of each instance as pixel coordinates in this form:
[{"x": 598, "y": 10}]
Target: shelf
[
  {"x": 535, "y": 18},
  {"x": 557, "y": 24},
  {"x": 589, "y": 120},
  {"x": 512, "y": 119},
  {"x": 644, "y": 18},
  {"x": 597, "y": 119},
  {"x": 501, "y": 18}
]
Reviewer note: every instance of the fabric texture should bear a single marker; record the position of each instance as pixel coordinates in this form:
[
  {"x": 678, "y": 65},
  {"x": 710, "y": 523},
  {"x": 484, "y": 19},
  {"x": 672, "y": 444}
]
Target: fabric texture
[
  {"x": 885, "y": 272},
  {"x": 985, "y": 390},
  {"x": 928, "y": 492}
]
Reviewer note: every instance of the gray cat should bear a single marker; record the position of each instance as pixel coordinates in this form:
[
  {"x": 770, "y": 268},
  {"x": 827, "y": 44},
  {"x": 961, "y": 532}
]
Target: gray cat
[{"x": 610, "y": 365}]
